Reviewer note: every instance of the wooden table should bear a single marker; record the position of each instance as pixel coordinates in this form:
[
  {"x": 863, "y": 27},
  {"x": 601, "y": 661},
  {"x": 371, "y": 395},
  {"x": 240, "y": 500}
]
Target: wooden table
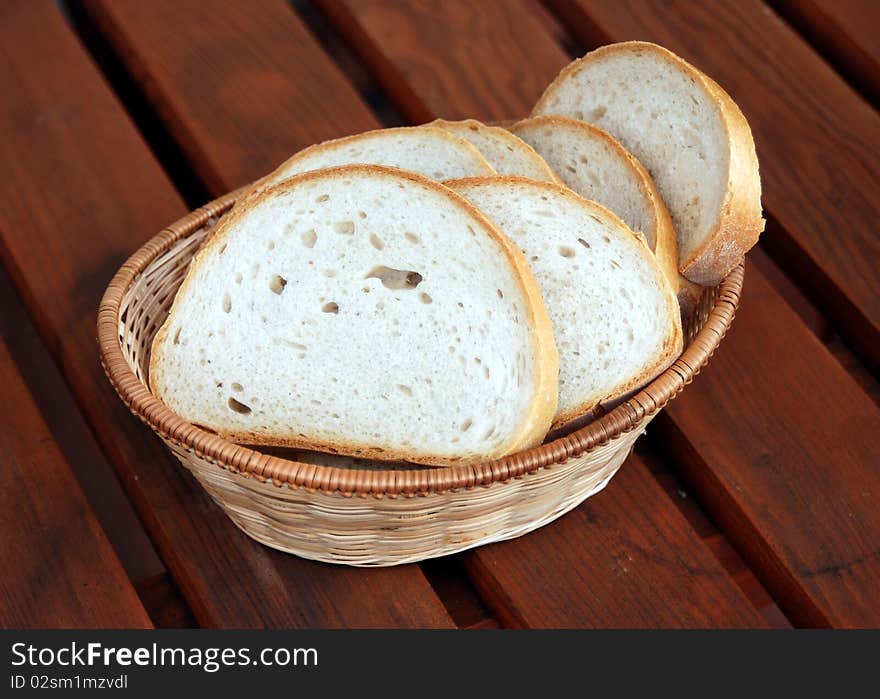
[{"x": 753, "y": 501}]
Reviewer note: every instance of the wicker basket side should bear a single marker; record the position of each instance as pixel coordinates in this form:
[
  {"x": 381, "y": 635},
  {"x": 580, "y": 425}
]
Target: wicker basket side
[{"x": 366, "y": 531}]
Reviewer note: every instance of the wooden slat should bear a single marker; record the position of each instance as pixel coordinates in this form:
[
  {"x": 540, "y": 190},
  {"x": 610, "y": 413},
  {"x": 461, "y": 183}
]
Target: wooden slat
[
  {"x": 666, "y": 473},
  {"x": 167, "y": 609},
  {"x": 240, "y": 88},
  {"x": 59, "y": 570},
  {"x": 81, "y": 192},
  {"x": 794, "y": 422},
  {"x": 781, "y": 445},
  {"x": 818, "y": 141},
  {"x": 93, "y": 472},
  {"x": 845, "y": 32},
  {"x": 627, "y": 557},
  {"x": 487, "y": 34},
  {"x": 818, "y": 324},
  {"x": 96, "y": 477}
]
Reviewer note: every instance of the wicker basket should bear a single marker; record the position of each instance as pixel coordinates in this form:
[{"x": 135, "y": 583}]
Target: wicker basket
[{"x": 374, "y": 517}]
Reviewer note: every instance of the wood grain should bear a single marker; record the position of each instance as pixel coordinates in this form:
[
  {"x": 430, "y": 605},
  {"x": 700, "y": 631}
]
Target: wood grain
[
  {"x": 92, "y": 470},
  {"x": 818, "y": 324},
  {"x": 626, "y": 558},
  {"x": 59, "y": 570},
  {"x": 773, "y": 409},
  {"x": 240, "y": 89},
  {"x": 666, "y": 472},
  {"x": 818, "y": 141},
  {"x": 614, "y": 561},
  {"x": 167, "y": 609},
  {"x": 780, "y": 444},
  {"x": 398, "y": 41},
  {"x": 82, "y": 192},
  {"x": 845, "y": 33}
]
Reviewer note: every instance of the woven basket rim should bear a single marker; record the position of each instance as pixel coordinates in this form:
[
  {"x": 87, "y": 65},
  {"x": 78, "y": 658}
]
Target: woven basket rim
[{"x": 380, "y": 483}]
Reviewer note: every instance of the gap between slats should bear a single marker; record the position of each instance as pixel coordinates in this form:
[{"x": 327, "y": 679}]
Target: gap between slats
[
  {"x": 96, "y": 477},
  {"x": 829, "y": 39},
  {"x": 139, "y": 108},
  {"x": 335, "y": 47}
]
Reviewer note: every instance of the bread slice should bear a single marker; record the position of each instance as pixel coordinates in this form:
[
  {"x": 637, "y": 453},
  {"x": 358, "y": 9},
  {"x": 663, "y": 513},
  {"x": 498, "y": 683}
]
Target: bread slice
[
  {"x": 426, "y": 150},
  {"x": 507, "y": 153},
  {"x": 596, "y": 166},
  {"x": 689, "y": 135},
  {"x": 613, "y": 310},
  {"x": 366, "y": 311}
]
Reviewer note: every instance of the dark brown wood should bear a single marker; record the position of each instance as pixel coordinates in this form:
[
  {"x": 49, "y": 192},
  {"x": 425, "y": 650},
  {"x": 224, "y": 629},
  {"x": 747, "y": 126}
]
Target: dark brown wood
[
  {"x": 569, "y": 573},
  {"x": 59, "y": 570},
  {"x": 448, "y": 577},
  {"x": 651, "y": 453},
  {"x": 162, "y": 598},
  {"x": 397, "y": 40},
  {"x": 93, "y": 472},
  {"x": 818, "y": 141},
  {"x": 818, "y": 324},
  {"x": 845, "y": 33},
  {"x": 788, "y": 416},
  {"x": 780, "y": 444},
  {"x": 625, "y": 558},
  {"x": 240, "y": 88},
  {"x": 82, "y": 191}
]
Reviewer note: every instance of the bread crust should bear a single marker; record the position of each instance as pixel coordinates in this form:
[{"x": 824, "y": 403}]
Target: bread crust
[
  {"x": 502, "y": 134},
  {"x": 738, "y": 223},
  {"x": 536, "y": 421},
  {"x": 265, "y": 182},
  {"x": 689, "y": 295},
  {"x": 586, "y": 410},
  {"x": 665, "y": 243}
]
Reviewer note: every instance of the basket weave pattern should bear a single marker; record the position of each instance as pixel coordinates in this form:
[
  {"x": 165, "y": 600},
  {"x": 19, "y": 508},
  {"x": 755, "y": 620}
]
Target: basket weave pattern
[{"x": 374, "y": 516}]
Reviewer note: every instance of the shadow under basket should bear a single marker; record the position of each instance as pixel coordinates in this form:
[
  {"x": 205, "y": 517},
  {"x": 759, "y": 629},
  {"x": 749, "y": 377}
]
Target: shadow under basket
[{"x": 370, "y": 516}]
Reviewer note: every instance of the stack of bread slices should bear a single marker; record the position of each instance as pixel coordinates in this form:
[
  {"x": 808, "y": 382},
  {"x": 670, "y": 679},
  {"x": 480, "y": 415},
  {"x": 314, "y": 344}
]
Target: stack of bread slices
[{"x": 456, "y": 292}]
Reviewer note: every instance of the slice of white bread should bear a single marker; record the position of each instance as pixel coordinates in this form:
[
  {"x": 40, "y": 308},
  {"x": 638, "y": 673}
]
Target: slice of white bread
[
  {"x": 366, "y": 311},
  {"x": 507, "y": 153},
  {"x": 613, "y": 310},
  {"x": 687, "y": 132},
  {"x": 426, "y": 150},
  {"x": 596, "y": 166}
]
